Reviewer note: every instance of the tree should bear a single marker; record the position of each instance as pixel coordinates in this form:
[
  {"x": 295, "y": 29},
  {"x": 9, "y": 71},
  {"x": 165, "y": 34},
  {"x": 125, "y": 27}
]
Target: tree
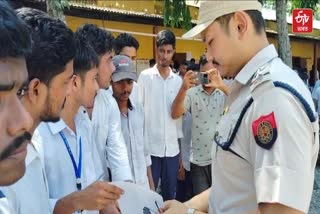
[
  {"x": 284, "y": 49},
  {"x": 176, "y": 13}
]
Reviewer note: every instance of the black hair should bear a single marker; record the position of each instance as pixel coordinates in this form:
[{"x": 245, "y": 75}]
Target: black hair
[
  {"x": 100, "y": 39},
  {"x": 15, "y": 40},
  {"x": 203, "y": 60},
  {"x": 86, "y": 58},
  {"x": 184, "y": 62},
  {"x": 176, "y": 64},
  {"x": 53, "y": 45},
  {"x": 31, "y": 16},
  {"x": 152, "y": 62},
  {"x": 124, "y": 40},
  {"x": 166, "y": 37},
  {"x": 255, "y": 15}
]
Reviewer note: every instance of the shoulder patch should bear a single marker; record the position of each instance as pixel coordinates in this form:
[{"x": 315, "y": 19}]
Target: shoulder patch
[{"x": 265, "y": 131}]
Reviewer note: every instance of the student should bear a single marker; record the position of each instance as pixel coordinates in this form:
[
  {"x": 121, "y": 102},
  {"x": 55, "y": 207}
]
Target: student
[
  {"x": 158, "y": 87},
  {"x": 126, "y": 44},
  {"x": 15, "y": 43},
  {"x": 105, "y": 114},
  {"x": 69, "y": 154},
  {"x": 50, "y": 70},
  {"x": 132, "y": 121}
]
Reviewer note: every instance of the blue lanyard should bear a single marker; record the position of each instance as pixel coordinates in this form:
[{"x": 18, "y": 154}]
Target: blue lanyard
[{"x": 77, "y": 170}]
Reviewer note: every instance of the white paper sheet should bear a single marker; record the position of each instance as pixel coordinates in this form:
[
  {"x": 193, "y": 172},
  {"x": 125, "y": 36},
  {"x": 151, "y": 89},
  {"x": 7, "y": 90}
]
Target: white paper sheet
[{"x": 138, "y": 200}]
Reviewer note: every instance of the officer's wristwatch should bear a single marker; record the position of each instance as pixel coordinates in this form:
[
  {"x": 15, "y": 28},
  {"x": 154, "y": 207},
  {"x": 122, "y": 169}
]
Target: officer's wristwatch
[{"x": 190, "y": 211}]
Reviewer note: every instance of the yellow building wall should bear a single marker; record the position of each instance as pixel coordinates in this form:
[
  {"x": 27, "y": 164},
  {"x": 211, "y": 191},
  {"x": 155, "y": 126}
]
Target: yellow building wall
[
  {"x": 146, "y": 42},
  {"x": 273, "y": 41},
  {"x": 144, "y": 6},
  {"x": 273, "y": 26},
  {"x": 303, "y": 48},
  {"x": 299, "y": 48},
  {"x": 196, "y": 48}
]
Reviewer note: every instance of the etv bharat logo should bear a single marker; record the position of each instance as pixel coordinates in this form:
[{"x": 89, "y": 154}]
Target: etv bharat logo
[{"x": 302, "y": 21}]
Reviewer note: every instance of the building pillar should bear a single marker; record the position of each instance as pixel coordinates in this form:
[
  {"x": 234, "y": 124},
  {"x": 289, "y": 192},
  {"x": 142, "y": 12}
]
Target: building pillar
[
  {"x": 155, "y": 32},
  {"x": 315, "y": 59}
]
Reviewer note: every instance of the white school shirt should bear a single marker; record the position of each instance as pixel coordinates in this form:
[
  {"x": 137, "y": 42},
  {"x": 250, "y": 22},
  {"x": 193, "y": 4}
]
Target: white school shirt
[
  {"x": 58, "y": 165},
  {"x": 132, "y": 126},
  {"x": 157, "y": 95},
  {"x": 30, "y": 193},
  {"x": 5, "y": 208},
  {"x": 283, "y": 174},
  {"x": 108, "y": 137}
]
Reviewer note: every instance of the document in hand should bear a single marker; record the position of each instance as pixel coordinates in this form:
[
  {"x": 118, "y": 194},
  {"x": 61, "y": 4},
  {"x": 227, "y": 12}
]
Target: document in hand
[{"x": 138, "y": 200}]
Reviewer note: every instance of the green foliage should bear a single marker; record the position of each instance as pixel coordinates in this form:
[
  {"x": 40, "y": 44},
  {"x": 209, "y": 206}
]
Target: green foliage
[
  {"x": 176, "y": 14},
  {"x": 292, "y": 4},
  {"x": 270, "y": 4},
  {"x": 55, "y": 7},
  {"x": 304, "y": 4},
  {"x": 313, "y": 4}
]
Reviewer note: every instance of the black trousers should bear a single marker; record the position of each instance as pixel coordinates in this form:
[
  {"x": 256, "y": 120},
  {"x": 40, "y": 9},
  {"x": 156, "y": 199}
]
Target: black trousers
[{"x": 201, "y": 178}]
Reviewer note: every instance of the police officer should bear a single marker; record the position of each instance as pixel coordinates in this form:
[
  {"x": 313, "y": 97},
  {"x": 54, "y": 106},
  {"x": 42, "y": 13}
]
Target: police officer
[{"x": 266, "y": 146}]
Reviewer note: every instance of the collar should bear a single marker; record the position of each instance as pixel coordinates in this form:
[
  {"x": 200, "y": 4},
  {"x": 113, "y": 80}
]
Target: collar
[
  {"x": 130, "y": 106},
  {"x": 55, "y": 128},
  {"x": 32, "y": 153},
  {"x": 201, "y": 89},
  {"x": 157, "y": 73},
  {"x": 261, "y": 58}
]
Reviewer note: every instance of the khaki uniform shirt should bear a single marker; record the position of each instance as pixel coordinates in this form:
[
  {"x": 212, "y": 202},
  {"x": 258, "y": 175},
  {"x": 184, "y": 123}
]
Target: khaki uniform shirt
[{"x": 282, "y": 173}]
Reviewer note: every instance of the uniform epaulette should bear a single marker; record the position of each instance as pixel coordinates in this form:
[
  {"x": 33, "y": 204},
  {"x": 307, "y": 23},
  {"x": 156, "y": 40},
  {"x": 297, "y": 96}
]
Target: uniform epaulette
[
  {"x": 261, "y": 81},
  {"x": 311, "y": 115}
]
